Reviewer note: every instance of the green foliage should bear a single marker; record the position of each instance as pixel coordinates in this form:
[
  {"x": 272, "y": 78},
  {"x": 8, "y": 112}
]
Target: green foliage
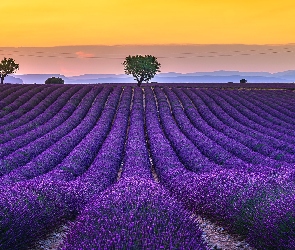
[
  {"x": 54, "y": 80},
  {"x": 143, "y": 68},
  {"x": 7, "y": 66}
]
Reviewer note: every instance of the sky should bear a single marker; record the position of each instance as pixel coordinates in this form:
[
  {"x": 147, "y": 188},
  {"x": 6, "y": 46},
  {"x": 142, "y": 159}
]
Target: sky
[
  {"x": 102, "y": 59},
  {"x": 122, "y": 23}
]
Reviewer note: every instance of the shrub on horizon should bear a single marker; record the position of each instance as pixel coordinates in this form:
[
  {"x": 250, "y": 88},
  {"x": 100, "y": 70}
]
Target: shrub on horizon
[{"x": 54, "y": 80}]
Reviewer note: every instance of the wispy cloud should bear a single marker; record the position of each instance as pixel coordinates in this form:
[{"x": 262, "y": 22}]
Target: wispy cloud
[
  {"x": 176, "y": 58},
  {"x": 66, "y": 71},
  {"x": 82, "y": 54}
]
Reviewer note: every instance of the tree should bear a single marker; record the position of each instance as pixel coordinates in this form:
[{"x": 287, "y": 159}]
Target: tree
[
  {"x": 54, "y": 80},
  {"x": 243, "y": 81},
  {"x": 143, "y": 68},
  {"x": 7, "y": 66}
]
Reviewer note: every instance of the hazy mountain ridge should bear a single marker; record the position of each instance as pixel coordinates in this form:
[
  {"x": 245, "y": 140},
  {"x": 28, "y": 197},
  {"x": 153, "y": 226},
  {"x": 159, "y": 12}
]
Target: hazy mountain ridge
[{"x": 220, "y": 76}]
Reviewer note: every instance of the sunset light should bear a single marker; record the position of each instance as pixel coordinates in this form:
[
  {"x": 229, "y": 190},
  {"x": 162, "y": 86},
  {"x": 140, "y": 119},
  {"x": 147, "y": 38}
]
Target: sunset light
[
  {"x": 147, "y": 124},
  {"x": 42, "y": 23}
]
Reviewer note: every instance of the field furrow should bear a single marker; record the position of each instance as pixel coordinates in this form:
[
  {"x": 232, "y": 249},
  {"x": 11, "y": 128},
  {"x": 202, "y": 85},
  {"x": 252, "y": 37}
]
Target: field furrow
[
  {"x": 156, "y": 167},
  {"x": 71, "y": 118},
  {"x": 253, "y": 120},
  {"x": 187, "y": 152},
  {"x": 207, "y": 146},
  {"x": 52, "y": 118},
  {"x": 54, "y": 154},
  {"x": 45, "y": 98},
  {"x": 260, "y": 143},
  {"x": 15, "y": 109},
  {"x": 270, "y": 111}
]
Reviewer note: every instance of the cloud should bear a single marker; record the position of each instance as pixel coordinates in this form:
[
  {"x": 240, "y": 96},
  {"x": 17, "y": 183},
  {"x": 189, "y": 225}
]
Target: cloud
[
  {"x": 66, "y": 71},
  {"x": 82, "y": 54}
]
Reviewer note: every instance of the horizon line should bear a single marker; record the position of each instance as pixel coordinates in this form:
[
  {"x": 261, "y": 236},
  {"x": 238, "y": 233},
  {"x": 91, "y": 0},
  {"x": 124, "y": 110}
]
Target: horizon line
[
  {"x": 159, "y": 73},
  {"x": 150, "y": 44}
]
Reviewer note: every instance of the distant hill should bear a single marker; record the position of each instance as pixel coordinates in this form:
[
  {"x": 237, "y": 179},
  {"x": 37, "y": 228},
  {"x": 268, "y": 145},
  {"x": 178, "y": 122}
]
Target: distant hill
[
  {"x": 12, "y": 79},
  {"x": 171, "y": 77},
  {"x": 220, "y": 79}
]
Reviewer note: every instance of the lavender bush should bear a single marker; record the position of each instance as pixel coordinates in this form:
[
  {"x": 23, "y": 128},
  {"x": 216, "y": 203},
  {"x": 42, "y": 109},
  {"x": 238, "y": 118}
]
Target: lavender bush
[
  {"x": 135, "y": 213},
  {"x": 23, "y": 155},
  {"x": 241, "y": 201},
  {"x": 131, "y": 166},
  {"x": 48, "y": 96}
]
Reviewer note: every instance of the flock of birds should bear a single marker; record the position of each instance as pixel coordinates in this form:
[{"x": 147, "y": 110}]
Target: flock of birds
[{"x": 183, "y": 55}]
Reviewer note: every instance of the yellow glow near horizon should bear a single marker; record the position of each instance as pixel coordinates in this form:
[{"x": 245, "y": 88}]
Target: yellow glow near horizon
[{"x": 109, "y": 22}]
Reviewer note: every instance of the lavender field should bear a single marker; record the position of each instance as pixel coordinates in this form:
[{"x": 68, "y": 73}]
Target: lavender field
[{"x": 130, "y": 166}]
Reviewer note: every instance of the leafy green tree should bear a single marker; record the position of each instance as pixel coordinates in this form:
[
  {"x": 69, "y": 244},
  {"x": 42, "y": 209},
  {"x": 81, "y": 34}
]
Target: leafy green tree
[
  {"x": 143, "y": 68},
  {"x": 54, "y": 80},
  {"x": 7, "y": 66}
]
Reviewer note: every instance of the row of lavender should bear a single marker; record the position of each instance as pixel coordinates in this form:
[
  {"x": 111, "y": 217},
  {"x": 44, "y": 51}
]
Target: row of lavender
[
  {"x": 136, "y": 212},
  {"x": 254, "y": 200},
  {"x": 42, "y": 199},
  {"x": 189, "y": 154}
]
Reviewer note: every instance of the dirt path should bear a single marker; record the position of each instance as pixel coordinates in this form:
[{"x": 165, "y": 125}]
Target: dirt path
[
  {"x": 217, "y": 238},
  {"x": 53, "y": 240}
]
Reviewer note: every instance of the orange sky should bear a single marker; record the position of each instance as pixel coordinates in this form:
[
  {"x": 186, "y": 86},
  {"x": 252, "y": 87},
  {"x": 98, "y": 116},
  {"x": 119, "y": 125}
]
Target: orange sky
[
  {"x": 93, "y": 22},
  {"x": 77, "y": 60}
]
